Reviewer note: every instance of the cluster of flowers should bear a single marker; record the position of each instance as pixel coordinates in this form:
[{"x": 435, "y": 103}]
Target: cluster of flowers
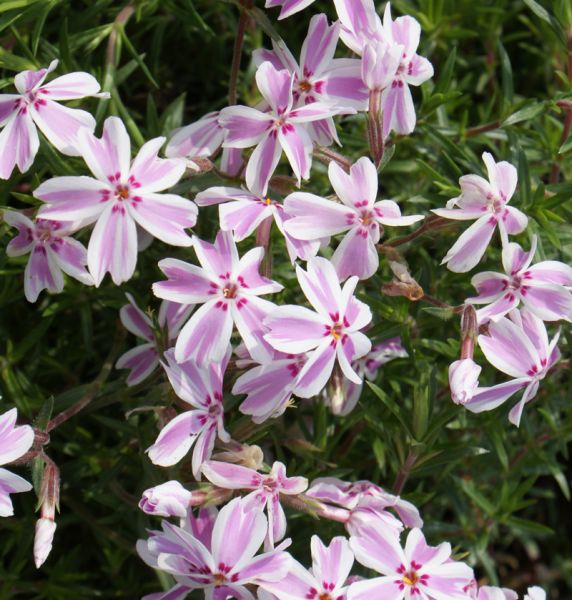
[{"x": 286, "y": 350}]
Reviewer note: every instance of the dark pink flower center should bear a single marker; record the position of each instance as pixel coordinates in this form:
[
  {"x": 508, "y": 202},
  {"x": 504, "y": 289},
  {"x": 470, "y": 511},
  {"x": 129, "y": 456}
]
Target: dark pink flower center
[{"x": 411, "y": 577}]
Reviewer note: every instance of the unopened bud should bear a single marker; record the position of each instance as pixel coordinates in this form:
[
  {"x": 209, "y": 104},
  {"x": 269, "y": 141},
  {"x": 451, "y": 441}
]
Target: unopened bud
[
  {"x": 169, "y": 499},
  {"x": 469, "y": 330},
  {"x": 250, "y": 456},
  {"x": 45, "y": 529}
]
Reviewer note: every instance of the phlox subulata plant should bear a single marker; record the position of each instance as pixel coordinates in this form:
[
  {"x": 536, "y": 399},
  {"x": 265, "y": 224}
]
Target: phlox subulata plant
[{"x": 305, "y": 377}]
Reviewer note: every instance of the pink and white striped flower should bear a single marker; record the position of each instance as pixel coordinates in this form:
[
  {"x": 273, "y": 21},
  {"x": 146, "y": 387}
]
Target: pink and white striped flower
[
  {"x": 222, "y": 563},
  {"x": 144, "y": 358},
  {"x": 15, "y": 441},
  {"x": 282, "y": 128},
  {"x": 363, "y": 32},
  {"x": 544, "y": 288},
  {"x": 36, "y": 105},
  {"x": 123, "y": 194},
  {"x": 52, "y": 253},
  {"x": 202, "y": 389},
  {"x": 520, "y": 348},
  {"x": 269, "y": 387},
  {"x": 229, "y": 290},
  {"x": 267, "y": 490},
  {"x": 242, "y": 212},
  {"x": 417, "y": 570},
  {"x": 485, "y": 201},
  {"x": 319, "y": 77},
  {"x": 326, "y": 580},
  {"x": 359, "y": 214},
  {"x": 332, "y": 332}
]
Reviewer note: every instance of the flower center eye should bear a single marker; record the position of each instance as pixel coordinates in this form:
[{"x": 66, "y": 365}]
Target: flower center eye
[
  {"x": 305, "y": 86},
  {"x": 324, "y": 597},
  {"x": 122, "y": 192},
  {"x": 229, "y": 291},
  {"x": 268, "y": 202},
  {"x": 411, "y": 578},
  {"x": 337, "y": 331},
  {"x": 219, "y": 579}
]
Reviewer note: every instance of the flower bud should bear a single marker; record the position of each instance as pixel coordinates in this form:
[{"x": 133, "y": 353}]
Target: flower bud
[
  {"x": 169, "y": 499},
  {"x": 45, "y": 529},
  {"x": 463, "y": 380}
]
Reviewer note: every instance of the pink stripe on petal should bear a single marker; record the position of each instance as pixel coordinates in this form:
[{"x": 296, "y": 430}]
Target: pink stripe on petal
[
  {"x": 203, "y": 448},
  {"x": 165, "y": 216},
  {"x": 244, "y": 126},
  {"x": 321, "y": 286},
  {"x": 200, "y": 138},
  {"x": 72, "y": 86},
  {"x": 231, "y": 477},
  {"x": 19, "y": 144},
  {"x": 320, "y": 44},
  {"x": 357, "y": 187},
  {"x": 136, "y": 321},
  {"x": 71, "y": 257},
  {"x": 141, "y": 361},
  {"x": 155, "y": 174},
  {"x": 294, "y": 329},
  {"x": 275, "y": 87},
  {"x": 548, "y": 301},
  {"x": 205, "y": 337},
  {"x": 41, "y": 273},
  {"x": 72, "y": 198},
  {"x": 61, "y": 125},
  {"x": 312, "y": 217},
  {"x": 186, "y": 284},
  {"x": 8, "y": 105},
  {"x": 248, "y": 317},
  {"x": 263, "y": 163},
  {"x": 113, "y": 246},
  {"x": 109, "y": 155},
  {"x": 317, "y": 370},
  {"x": 176, "y": 439},
  {"x": 220, "y": 258},
  {"x": 356, "y": 254},
  {"x": 297, "y": 146},
  {"x": 248, "y": 269},
  {"x": 332, "y": 563},
  {"x": 242, "y": 217},
  {"x": 471, "y": 245},
  {"x": 509, "y": 349},
  {"x": 398, "y": 109}
]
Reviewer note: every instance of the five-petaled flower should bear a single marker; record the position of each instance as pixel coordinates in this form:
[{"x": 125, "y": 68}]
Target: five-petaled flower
[
  {"x": 123, "y": 194},
  {"x": 320, "y": 77},
  {"x": 52, "y": 251},
  {"x": 201, "y": 388},
  {"x": 485, "y": 201},
  {"x": 332, "y": 332},
  {"x": 520, "y": 348},
  {"x": 282, "y": 128},
  {"x": 266, "y": 490},
  {"x": 417, "y": 570},
  {"x": 331, "y": 566},
  {"x": 228, "y": 288},
  {"x": 313, "y": 218},
  {"x": 36, "y": 104},
  {"x": 544, "y": 288},
  {"x": 222, "y": 560}
]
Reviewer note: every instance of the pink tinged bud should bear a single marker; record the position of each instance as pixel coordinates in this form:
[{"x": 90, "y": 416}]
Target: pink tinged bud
[
  {"x": 169, "y": 499},
  {"x": 469, "y": 331},
  {"x": 45, "y": 529},
  {"x": 463, "y": 380}
]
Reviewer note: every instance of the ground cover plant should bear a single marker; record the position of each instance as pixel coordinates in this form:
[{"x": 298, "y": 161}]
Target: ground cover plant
[{"x": 285, "y": 299}]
